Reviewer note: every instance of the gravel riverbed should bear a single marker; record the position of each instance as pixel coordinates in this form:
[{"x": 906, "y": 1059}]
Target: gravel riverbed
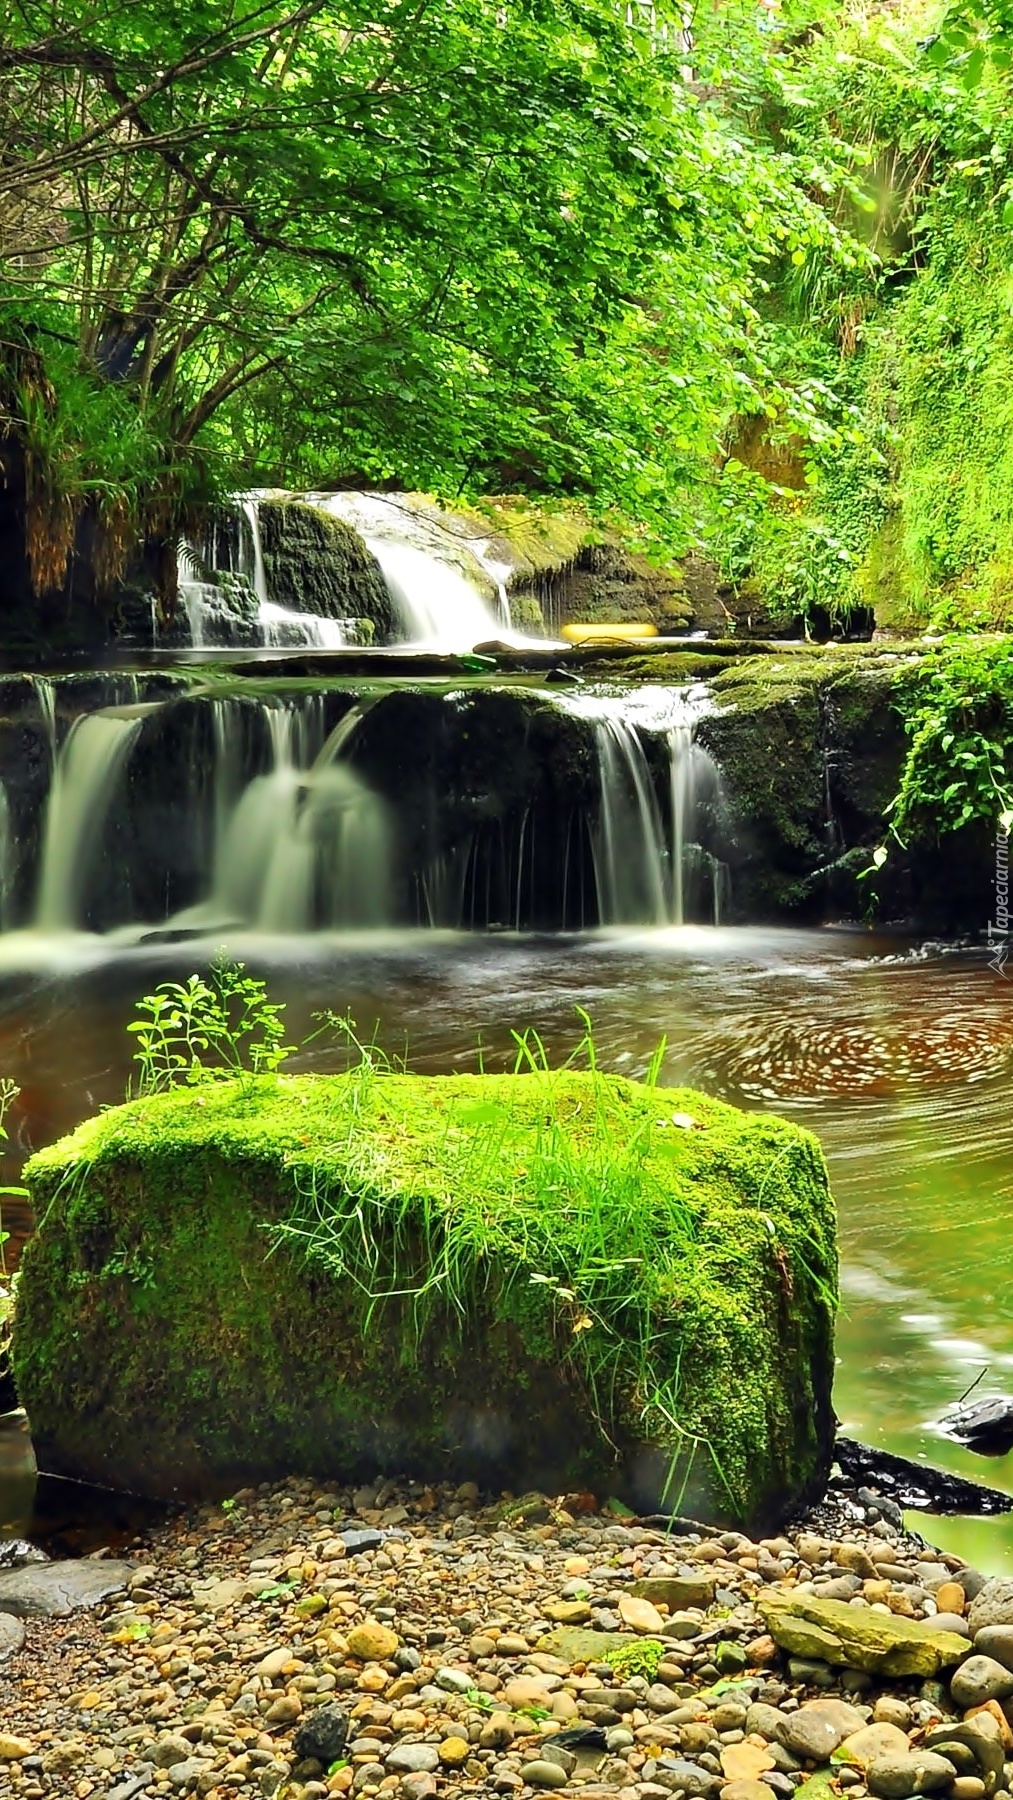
[{"x": 298, "y": 1642}]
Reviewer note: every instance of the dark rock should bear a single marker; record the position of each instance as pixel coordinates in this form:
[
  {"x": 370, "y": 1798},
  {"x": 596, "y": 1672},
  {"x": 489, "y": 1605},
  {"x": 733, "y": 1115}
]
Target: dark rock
[{"x": 323, "y": 1735}]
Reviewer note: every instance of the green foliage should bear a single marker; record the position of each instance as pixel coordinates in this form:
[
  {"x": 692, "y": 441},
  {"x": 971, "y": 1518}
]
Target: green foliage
[
  {"x": 213, "y": 1029},
  {"x": 462, "y": 248},
  {"x": 643, "y": 1656},
  {"x": 9, "y": 1092},
  {"x": 958, "y": 712}
]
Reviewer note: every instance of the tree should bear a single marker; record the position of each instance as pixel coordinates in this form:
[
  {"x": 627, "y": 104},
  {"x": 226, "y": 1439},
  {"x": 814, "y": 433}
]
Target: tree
[{"x": 451, "y": 243}]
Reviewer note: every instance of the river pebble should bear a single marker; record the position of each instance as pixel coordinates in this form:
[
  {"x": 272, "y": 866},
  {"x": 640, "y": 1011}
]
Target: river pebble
[{"x": 300, "y": 1642}]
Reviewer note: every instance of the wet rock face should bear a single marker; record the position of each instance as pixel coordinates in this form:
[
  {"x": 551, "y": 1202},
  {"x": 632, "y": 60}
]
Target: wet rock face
[
  {"x": 315, "y": 563},
  {"x": 48, "y": 1590}
]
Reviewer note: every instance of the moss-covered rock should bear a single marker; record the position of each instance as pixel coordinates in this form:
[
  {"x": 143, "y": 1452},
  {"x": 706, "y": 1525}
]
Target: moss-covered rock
[
  {"x": 544, "y": 1278},
  {"x": 316, "y": 563},
  {"x": 858, "y": 1637}
]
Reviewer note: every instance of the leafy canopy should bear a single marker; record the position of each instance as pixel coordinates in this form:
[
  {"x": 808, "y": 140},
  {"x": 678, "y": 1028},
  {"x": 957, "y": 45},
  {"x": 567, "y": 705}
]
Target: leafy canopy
[{"x": 456, "y": 244}]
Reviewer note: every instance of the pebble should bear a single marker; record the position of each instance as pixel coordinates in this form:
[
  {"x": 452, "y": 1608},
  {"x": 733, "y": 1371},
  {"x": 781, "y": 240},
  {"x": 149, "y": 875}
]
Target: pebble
[
  {"x": 978, "y": 1679},
  {"x": 256, "y": 1646}
]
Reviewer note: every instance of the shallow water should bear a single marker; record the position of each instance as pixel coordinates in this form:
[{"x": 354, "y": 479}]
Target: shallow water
[{"x": 900, "y": 1060}]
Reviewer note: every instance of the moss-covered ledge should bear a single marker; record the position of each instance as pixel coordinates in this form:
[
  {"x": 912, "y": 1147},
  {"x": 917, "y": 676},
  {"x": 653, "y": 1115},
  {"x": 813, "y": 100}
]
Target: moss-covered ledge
[{"x": 561, "y": 1279}]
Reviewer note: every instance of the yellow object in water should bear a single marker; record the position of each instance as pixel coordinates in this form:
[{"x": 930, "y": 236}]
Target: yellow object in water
[{"x": 631, "y": 632}]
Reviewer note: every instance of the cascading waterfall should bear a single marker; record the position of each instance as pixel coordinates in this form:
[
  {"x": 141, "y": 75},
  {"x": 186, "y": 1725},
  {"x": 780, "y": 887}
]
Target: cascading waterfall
[
  {"x": 644, "y": 868},
  {"x": 305, "y": 845},
  {"x": 298, "y": 812},
  {"x": 440, "y": 608},
  {"x": 436, "y": 596},
  {"x": 83, "y": 788}
]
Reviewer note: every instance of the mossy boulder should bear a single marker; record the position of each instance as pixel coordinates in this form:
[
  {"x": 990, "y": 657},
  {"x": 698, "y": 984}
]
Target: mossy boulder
[
  {"x": 316, "y": 563},
  {"x": 858, "y": 1637},
  {"x": 549, "y": 1279}
]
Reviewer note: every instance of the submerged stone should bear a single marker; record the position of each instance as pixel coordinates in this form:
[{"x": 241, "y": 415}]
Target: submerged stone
[
  {"x": 383, "y": 1272},
  {"x": 858, "y": 1637}
]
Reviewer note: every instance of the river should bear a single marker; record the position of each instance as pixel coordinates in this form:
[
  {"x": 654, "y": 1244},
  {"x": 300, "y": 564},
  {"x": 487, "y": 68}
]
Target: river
[{"x": 899, "y": 1057}]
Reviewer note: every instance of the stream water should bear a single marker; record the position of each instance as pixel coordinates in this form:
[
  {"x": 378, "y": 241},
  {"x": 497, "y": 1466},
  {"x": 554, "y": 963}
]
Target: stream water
[{"x": 900, "y": 1059}]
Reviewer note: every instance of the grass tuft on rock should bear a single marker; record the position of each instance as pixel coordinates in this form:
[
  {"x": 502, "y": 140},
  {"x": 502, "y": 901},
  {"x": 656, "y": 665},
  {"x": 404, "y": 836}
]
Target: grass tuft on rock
[{"x": 554, "y": 1278}]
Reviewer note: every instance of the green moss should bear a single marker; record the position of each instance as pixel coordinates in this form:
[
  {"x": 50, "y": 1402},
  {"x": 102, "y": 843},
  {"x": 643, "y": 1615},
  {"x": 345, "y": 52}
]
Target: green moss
[
  {"x": 315, "y": 563},
  {"x": 542, "y": 1277}
]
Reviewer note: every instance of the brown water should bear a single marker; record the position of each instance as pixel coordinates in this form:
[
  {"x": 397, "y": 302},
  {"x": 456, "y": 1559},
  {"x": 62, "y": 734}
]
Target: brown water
[{"x": 900, "y": 1060}]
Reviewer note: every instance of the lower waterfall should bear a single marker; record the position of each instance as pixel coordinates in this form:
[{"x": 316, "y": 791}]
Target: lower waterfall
[{"x": 330, "y": 809}]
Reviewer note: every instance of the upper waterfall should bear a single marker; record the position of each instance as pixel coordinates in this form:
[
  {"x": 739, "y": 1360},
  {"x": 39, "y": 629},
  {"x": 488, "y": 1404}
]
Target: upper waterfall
[{"x": 445, "y": 591}]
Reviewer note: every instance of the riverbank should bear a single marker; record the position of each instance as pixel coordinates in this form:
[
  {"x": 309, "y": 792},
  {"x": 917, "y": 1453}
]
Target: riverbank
[{"x": 294, "y": 1642}]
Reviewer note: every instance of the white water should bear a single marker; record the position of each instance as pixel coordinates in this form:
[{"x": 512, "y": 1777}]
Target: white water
[
  {"x": 642, "y": 864},
  {"x": 84, "y": 783},
  {"x": 303, "y": 847},
  {"x": 278, "y": 833},
  {"x": 440, "y": 608}
]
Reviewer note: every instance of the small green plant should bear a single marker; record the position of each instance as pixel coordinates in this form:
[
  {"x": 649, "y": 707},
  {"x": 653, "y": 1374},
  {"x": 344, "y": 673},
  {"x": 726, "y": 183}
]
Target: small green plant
[
  {"x": 9, "y": 1092},
  {"x": 958, "y": 715},
  {"x": 208, "y": 1029},
  {"x": 641, "y": 1656}
]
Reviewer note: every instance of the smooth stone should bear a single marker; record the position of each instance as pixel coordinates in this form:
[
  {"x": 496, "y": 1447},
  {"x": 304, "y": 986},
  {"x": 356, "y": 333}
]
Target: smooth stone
[
  {"x": 871, "y": 1741},
  {"x": 992, "y": 1605},
  {"x": 677, "y": 1592},
  {"x": 980, "y": 1735},
  {"x": 455, "y": 1681},
  {"x": 413, "y": 1759},
  {"x": 729, "y": 1657},
  {"x": 372, "y": 1642},
  {"x": 568, "y": 1612},
  {"x": 978, "y": 1679},
  {"x": 747, "y": 1790},
  {"x": 764, "y": 1721},
  {"x": 14, "y": 1749},
  {"x": 528, "y": 1690},
  {"x": 950, "y": 1597},
  {"x": 841, "y": 1714},
  {"x": 808, "y": 1736},
  {"x": 12, "y": 1636},
  {"x": 49, "y": 1590},
  {"x": 745, "y": 1762},
  {"x": 170, "y": 1750},
  {"x": 696, "y": 1783},
  {"x": 891, "y": 1710},
  {"x": 948, "y": 1621},
  {"x": 323, "y": 1735},
  {"x": 918, "y": 1772},
  {"x": 995, "y": 1641},
  {"x": 640, "y": 1616},
  {"x": 454, "y": 1752},
  {"x": 544, "y": 1774},
  {"x": 968, "y": 1787}
]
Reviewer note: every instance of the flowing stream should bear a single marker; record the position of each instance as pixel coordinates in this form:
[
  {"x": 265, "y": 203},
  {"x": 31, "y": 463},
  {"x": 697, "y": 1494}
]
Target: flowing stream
[{"x": 901, "y": 1061}]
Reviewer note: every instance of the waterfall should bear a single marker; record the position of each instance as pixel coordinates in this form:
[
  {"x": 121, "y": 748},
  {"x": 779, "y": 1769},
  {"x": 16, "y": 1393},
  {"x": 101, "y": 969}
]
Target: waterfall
[
  {"x": 8, "y": 859},
  {"x": 297, "y": 818},
  {"x": 424, "y": 564},
  {"x": 439, "y": 608},
  {"x": 646, "y": 865},
  {"x": 45, "y": 694},
  {"x": 84, "y": 783},
  {"x": 306, "y": 845}
]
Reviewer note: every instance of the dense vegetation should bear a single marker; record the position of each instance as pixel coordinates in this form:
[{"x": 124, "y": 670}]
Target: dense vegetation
[{"x": 743, "y": 285}]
